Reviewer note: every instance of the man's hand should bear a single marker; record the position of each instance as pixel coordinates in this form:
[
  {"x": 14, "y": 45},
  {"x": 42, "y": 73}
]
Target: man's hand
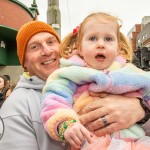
[{"x": 120, "y": 112}]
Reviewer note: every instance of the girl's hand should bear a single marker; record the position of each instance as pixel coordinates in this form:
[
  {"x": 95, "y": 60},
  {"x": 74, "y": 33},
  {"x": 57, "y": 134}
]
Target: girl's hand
[{"x": 76, "y": 134}]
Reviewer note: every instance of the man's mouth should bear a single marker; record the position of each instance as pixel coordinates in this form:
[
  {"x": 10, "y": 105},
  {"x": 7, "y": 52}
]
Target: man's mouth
[{"x": 48, "y": 62}]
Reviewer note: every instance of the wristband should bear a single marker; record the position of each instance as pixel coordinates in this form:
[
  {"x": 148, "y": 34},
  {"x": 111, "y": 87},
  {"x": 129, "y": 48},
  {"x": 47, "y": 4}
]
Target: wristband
[
  {"x": 63, "y": 127},
  {"x": 147, "y": 112}
]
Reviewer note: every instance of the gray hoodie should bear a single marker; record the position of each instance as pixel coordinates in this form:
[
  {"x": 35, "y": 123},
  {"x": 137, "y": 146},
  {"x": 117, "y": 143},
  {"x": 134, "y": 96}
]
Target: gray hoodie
[{"x": 21, "y": 127}]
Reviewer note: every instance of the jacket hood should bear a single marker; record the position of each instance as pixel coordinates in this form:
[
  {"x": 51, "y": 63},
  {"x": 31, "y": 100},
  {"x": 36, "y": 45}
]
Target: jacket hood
[{"x": 33, "y": 82}]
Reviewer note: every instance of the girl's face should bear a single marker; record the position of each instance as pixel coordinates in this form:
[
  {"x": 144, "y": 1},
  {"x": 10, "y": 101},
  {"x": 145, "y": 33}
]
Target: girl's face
[
  {"x": 99, "y": 45},
  {"x": 1, "y": 83}
]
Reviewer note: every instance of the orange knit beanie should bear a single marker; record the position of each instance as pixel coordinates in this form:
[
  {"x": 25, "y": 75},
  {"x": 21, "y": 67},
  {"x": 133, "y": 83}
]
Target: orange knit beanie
[{"x": 27, "y": 31}]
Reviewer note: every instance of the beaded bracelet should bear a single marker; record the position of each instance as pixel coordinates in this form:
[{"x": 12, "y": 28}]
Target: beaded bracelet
[{"x": 63, "y": 127}]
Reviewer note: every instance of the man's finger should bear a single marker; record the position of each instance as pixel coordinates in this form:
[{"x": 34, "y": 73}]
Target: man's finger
[
  {"x": 93, "y": 115},
  {"x": 91, "y": 106},
  {"x": 111, "y": 128},
  {"x": 99, "y": 123},
  {"x": 101, "y": 95}
]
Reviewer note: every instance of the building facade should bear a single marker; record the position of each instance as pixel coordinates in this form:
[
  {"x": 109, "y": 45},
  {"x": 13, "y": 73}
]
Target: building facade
[
  {"x": 132, "y": 35},
  {"x": 13, "y": 14},
  {"x": 139, "y": 36},
  {"x": 143, "y": 37}
]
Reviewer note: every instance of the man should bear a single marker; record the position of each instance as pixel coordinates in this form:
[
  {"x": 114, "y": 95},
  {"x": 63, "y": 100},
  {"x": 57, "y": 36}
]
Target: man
[{"x": 21, "y": 127}]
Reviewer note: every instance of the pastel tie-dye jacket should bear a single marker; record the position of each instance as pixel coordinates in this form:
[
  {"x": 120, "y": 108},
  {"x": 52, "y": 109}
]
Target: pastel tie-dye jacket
[{"x": 70, "y": 84}]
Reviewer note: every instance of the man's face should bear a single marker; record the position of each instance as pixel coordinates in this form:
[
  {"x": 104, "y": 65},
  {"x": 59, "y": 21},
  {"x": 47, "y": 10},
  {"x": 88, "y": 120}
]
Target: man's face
[{"x": 42, "y": 55}]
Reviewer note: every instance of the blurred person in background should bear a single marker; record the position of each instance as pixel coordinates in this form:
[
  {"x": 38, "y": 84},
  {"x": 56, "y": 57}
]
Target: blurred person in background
[
  {"x": 2, "y": 89},
  {"x": 9, "y": 91},
  {"x": 7, "y": 78}
]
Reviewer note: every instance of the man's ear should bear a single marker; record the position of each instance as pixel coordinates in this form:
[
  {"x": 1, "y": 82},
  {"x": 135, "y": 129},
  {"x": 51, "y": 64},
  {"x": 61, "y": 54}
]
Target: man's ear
[{"x": 25, "y": 69}]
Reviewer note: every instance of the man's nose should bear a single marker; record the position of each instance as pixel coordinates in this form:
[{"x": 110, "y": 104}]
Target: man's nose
[{"x": 46, "y": 50}]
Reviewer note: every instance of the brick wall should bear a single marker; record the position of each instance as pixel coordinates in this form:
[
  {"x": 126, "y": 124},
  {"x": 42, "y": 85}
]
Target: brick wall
[{"x": 13, "y": 15}]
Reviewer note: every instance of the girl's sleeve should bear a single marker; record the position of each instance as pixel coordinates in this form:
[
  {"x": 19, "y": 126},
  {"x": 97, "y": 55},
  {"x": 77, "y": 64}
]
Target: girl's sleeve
[
  {"x": 57, "y": 103},
  {"x": 127, "y": 80}
]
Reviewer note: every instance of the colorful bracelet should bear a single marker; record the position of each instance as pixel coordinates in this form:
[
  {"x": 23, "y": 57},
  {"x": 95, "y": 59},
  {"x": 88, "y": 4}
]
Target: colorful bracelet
[{"x": 63, "y": 127}]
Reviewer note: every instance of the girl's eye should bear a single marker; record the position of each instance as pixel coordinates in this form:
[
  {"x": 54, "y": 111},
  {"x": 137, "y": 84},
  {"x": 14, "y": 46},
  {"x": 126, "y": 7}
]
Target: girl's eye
[
  {"x": 108, "y": 39},
  {"x": 93, "y": 38}
]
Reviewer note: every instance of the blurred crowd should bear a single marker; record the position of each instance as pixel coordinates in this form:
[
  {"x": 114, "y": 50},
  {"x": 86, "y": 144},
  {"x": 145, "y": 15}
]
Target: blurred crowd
[{"x": 5, "y": 88}]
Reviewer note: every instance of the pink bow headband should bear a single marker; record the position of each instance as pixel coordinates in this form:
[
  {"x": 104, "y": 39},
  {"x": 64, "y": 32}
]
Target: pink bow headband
[{"x": 76, "y": 30}]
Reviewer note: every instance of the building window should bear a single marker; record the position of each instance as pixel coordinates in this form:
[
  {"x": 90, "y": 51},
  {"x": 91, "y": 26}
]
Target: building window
[
  {"x": 143, "y": 37},
  {"x": 146, "y": 35},
  {"x": 138, "y": 41},
  {"x": 2, "y": 44}
]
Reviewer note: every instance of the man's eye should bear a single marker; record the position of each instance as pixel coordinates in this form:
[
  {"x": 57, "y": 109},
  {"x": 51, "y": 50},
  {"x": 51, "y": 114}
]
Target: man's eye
[
  {"x": 33, "y": 47},
  {"x": 50, "y": 42},
  {"x": 93, "y": 38},
  {"x": 108, "y": 39}
]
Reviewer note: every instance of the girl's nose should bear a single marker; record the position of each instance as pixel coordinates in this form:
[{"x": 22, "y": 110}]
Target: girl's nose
[{"x": 100, "y": 43}]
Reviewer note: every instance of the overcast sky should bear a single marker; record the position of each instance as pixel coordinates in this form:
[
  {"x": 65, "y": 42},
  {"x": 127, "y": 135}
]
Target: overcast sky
[{"x": 73, "y": 12}]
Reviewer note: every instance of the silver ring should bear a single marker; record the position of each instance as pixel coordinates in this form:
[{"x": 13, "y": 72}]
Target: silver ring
[{"x": 104, "y": 121}]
